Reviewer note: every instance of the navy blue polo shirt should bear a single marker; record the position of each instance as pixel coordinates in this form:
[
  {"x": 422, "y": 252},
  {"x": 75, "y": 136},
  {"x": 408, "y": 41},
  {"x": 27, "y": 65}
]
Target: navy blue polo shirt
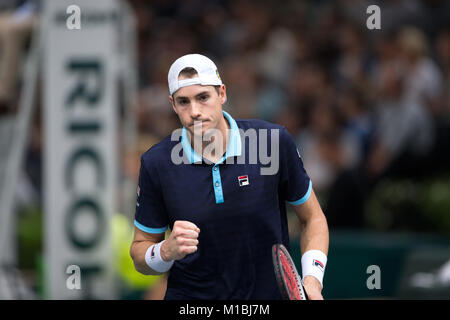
[{"x": 241, "y": 213}]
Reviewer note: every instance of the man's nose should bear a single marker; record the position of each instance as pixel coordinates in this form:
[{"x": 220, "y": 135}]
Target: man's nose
[{"x": 195, "y": 110}]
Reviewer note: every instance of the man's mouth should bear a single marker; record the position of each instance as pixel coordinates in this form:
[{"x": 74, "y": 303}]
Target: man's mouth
[{"x": 198, "y": 123}]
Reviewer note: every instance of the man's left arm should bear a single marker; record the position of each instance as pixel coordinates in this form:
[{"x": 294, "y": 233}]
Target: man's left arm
[{"x": 314, "y": 241}]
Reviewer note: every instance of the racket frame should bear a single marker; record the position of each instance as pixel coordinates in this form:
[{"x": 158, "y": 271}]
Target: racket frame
[{"x": 281, "y": 276}]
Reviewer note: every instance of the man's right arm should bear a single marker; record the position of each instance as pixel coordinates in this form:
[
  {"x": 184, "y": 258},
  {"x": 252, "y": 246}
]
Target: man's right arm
[
  {"x": 183, "y": 240},
  {"x": 141, "y": 242}
]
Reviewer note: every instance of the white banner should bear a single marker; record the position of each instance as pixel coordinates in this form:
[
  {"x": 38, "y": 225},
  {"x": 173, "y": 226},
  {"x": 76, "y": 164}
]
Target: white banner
[{"x": 80, "y": 161}]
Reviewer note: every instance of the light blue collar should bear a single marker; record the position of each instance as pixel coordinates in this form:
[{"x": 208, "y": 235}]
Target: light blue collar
[{"x": 234, "y": 145}]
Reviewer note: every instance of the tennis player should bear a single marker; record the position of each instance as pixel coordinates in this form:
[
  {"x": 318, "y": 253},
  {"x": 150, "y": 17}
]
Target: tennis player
[{"x": 223, "y": 211}]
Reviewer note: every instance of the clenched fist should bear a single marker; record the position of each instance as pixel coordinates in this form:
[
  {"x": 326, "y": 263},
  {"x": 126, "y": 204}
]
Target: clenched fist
[{"x": 183, "y": 240}]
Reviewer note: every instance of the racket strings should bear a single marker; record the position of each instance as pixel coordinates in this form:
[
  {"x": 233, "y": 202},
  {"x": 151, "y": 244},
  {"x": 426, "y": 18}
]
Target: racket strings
[
  {"x": 288, "y": 279},
  {"x": 291, "y": 278}
]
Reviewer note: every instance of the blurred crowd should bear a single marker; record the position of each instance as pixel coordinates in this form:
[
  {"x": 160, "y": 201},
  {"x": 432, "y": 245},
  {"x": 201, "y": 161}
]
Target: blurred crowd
[{"x": 361, "y": 104}]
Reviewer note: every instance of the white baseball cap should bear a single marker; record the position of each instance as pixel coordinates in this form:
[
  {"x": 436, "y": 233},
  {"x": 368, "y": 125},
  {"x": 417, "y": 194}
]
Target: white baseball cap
[{"x": 205, "y": 67}]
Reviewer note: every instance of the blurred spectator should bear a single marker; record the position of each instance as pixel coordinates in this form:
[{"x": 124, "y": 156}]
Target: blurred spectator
[
  {"x": 16, "y": 24},
  {"x": 156, "y": 116},
  {"x": 276, "y": 58},
  {"x": 351, "y": 64},
  {"x": 307, "y": 84},
  {"x": 443, "y": 56},
  {"x": 404, "y": 124},
  {"x": 423, "y": 79},
  {"x": 325, "y": 147},
  {"x": 239, "y": 76},
  {"x": 357, "y": 120},
  {"x": 397, "y": 13},
  {"x": 436, "y": 15}
]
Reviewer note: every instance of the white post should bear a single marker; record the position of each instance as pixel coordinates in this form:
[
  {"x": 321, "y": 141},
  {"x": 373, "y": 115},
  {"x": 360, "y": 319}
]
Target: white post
[{"x": 80, "y": 159}]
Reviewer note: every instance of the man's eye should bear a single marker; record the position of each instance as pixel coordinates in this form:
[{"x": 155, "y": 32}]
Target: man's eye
[
  {"x": 203, "y": 98},
  {"x": 183, "y": 102}
]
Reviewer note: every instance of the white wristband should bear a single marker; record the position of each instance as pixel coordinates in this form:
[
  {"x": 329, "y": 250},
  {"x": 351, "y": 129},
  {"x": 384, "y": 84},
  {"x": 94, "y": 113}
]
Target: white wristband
[
  {"x": 154, "y": 260},
  {"x": 313, "y": 264}
]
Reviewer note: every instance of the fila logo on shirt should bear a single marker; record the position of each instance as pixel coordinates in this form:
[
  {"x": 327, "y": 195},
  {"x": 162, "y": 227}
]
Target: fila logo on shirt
[{"x": 243, "y": 181}]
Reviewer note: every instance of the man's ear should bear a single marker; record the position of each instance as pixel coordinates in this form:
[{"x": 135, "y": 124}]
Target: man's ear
[
  {"x": 172, "y": 102},
  {"x": 223, "y": 94}
]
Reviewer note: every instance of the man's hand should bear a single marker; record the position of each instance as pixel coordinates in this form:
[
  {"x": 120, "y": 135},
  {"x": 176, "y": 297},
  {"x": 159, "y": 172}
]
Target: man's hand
[
  {"x": 181, "y": 242},
  {"x": 313, "y": 288}
]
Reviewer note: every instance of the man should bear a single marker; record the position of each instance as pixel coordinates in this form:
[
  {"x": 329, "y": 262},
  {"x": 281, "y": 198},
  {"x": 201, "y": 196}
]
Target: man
[{"x": 224, "y": 210}]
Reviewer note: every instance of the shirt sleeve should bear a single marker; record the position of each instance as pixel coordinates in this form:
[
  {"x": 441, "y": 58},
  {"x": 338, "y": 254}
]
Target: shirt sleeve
[
  {"x": 151, "y": 215},
  {"x": 295, "y": 183}
]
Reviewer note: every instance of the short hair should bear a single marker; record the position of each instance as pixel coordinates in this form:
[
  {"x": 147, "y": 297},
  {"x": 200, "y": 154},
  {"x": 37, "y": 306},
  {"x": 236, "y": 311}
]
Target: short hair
[{"x": 190, "y": 72}]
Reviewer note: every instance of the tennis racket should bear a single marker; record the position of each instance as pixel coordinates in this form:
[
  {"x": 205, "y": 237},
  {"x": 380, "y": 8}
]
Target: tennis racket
[{"x": 288, "y": 279}]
